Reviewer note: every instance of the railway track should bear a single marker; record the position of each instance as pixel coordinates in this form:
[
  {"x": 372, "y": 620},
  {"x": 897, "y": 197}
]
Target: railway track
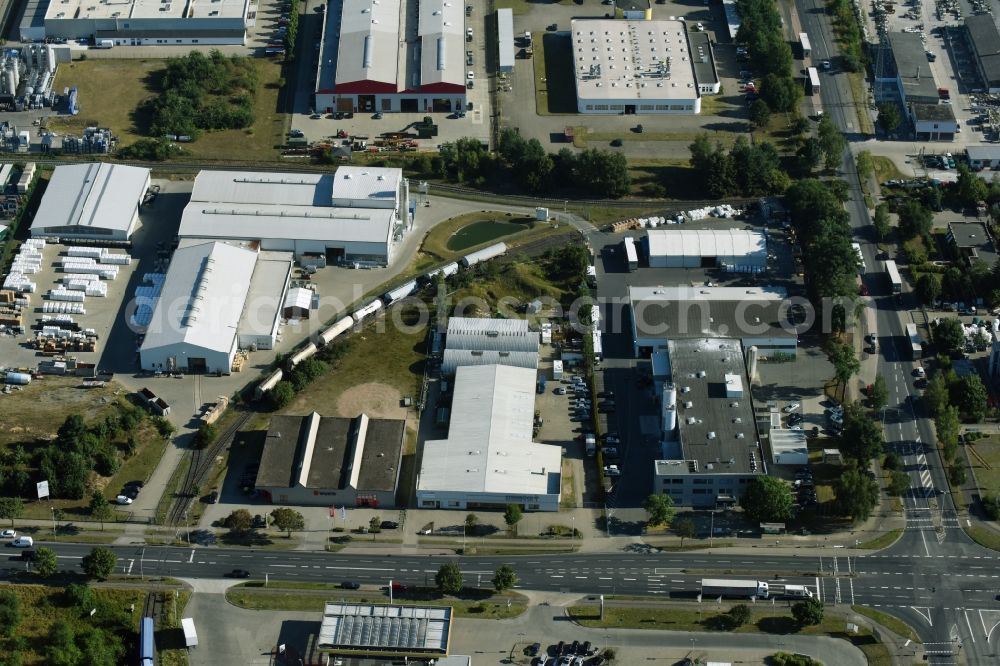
[
  {"x": 201, "y": 463},
  {"x": 153, "y": 605}
]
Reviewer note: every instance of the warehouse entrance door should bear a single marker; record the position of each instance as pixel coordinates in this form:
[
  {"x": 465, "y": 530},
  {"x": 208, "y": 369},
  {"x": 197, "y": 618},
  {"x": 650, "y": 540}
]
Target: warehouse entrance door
[
  {"x": 197, "y": 365},
  {"x": 334, "y": 255},
  {"x": 630, "y": 109}
]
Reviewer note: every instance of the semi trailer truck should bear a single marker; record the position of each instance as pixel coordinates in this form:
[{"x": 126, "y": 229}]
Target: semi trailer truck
[{"x": 718, "y": 587}]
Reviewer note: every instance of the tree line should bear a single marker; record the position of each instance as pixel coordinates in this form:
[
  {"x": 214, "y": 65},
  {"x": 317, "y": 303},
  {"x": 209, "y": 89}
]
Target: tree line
[
  {"x": 200, "y": 93},
  {"x": 770, "y": 55},
  {"x": 596, "y": 173}
]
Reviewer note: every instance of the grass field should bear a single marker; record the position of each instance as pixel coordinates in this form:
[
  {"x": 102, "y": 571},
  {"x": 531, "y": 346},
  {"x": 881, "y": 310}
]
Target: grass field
[
  {"x": 984, "y": 456},
  {"x": 891, "y": 623},
  {"x": 555, "y": 93},
  {"x": 43, "y": 606},
  {"x": 279, "y": 597},
  {"x": 882, "y": 541},
  {"x": 111, "y": 92},
  {"x": 985, "y": 537},
  {"x": 886, "y": 169},
  {"x": 857, "y": 83}
]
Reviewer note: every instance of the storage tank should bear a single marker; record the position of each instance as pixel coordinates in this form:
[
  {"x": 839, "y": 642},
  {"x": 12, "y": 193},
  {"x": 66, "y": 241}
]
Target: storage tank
[
  {"x": 20, "y": 378},
  {"x": 669, "y": 408},
  {"x": 341, "y": 325},
  {"x": 9, "y": 82}
]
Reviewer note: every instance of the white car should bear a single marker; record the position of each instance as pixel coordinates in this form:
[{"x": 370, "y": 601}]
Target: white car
[
  {"x": 612, "y": 470},
  {"x": 471, "y": 75},
  {"x": 8, "y": 534},
  {"x": 123, "y": 500},
  {"x": 791, "y": 407}
]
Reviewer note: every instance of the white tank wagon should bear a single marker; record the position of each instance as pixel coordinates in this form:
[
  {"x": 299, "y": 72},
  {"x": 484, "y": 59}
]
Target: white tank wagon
[
  {"x": 446, "y": 270},
  {"x": 485, "y": 254},
  {"x": 400, "y": 292},
  {"x": 269, "y": 383},
  {"x": 367, "y": 310},
  {"x": 338, "y": 328},
  {"x": 302, "y": 354}
]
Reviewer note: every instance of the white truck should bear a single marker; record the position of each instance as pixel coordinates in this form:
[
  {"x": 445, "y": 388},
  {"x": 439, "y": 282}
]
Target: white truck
[
  {"x": 591, "y": 443},
  {"x": 798, "y": 592},
  {"x": 721, "y": 587},
  {"x": 104, "y": 44}
]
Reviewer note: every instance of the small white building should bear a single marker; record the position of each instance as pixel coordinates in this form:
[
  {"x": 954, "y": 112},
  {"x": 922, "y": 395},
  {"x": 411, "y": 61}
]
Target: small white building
[
  {"x": 98, "y": 201},
  {"x": 736, "y": 250},
  {"x": 934, "y": 122},
  {"x": 983, "y": 157},
  {"x": 788, "y": 447},
  {"x": 488, "y": 460},
  {"x": 633, "y": 67}
]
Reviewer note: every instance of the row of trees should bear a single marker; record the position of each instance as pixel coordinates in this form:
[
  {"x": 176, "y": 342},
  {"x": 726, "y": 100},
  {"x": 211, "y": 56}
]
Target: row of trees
[
  {"x": 747, "y": 169},
  {"x": 599, "y": 173},
  {"x": 848, "y": 28},
  {"x": 448, "y": 578},
  {"x": 950, "y": 398},
  {"x": 204, "y": 93},
  {"x": 291, "y": 34},
  {"x": 770, "y": 55},
  {"x": 285, "y": 519}
]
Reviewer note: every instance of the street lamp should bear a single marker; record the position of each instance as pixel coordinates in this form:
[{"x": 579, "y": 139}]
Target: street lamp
[{"x": 55, "y": 532}]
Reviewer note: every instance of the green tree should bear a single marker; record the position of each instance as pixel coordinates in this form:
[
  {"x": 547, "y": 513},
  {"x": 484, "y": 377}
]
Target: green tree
[
  {"x": 892, "y": 462},
  {"x": 11, "y": 508},
  {"x": 914, "y": 219},
  {"x": 684, "y": 528},
  {"x": 100, "y": 648},
  {"x": 99, "y": 563},
  {"x": 971, "y": 188},
  {"x": 760, "y": 113},
  {"x": 80, "y": 595},
  {"x": 935, "y": 396},
  {"x": 810, "y": 154},
  {"x": 512, "y": 516},
  {"x": 449, "y": 579},
  {"x": 899, "y": 483},
  {"x": 100, "y": 508},
  {"x": 949, "y": 335},
  {"x": 471, "y": 523},
  {"x": 780, "y": 91},
  {"x": 865, "y": 165},
  {"x": 882, "y": 226},
  {"x": 861, "y": 438},
  {"x": 239, "y": 521},
  {"x": 767, "y": 499},
  {"x": 972, "y": 398},
  {"x": 739, "y": 615},
  {"x": 956, "y": 475},
  {"x": 504, "y": 578},
  {"x": 856, "y": 494},
  {"x": 845, "y": 361},
  {"x": 808, "y": 612},
  {"x": 991, "y": 505},
  {"x": 10, "y": 613},
  {"x": 928, "y": 288},
  {"x": 375, "y": 525},
  {"x": 281, "y": 394},
  {"x": 603, "y": 173},
  {"x": 879, "y": 395},
  {"x": 947, "y": 427},
  {"x": 45, "y": 563},
  {"x": 206, "y": 435},
  {"x": 288, "y": 520},
  {"x": 834, "y": 143},
  {"x": 889, "y": 117},
  {"x": 659, "y": 508}
]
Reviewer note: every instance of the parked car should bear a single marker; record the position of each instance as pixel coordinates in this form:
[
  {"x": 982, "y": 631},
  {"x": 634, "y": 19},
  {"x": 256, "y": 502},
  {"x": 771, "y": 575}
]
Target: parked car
[
  {"x": 586, "y": 649},
  {"x": 8, "y": 534},
  {"x": 350, "y": 585},
  {"x": 560, "y": 391},
  {"x": 123, "y": 500},
  {"x": 130, "y": 492},
  {"x": 612, "y": 470},
  {"x": 388, "y": 525},
  {"x": 534, "y": 647},
  {"x": 791, "y": 407},
  {"x": 213, "y": 497},
  {"x": 259, "y": 522},
  {"x": 610, "y": 452}
]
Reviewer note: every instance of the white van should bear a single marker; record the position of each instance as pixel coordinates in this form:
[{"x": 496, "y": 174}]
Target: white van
[{"x": 23, "y": 542}]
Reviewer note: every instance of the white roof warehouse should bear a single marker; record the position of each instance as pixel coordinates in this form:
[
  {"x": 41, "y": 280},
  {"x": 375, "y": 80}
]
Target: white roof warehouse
[
  {"x": 629, "y": 67},
  {"x": 98, "y": 201},
  {"x": 210, "y": 293},
  {"x": 352, "y": 215},
  {"x": 489, "y": 460}
]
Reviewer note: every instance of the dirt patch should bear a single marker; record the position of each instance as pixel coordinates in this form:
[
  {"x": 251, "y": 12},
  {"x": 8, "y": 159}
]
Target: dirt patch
[{"x": 376, "y": 400}]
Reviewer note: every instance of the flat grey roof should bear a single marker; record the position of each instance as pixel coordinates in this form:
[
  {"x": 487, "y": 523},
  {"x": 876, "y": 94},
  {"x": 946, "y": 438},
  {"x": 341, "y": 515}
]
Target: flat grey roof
[
  {"x": 322, "y": 449},
  {"x": 973, "y": 236},
  {"x": 941, "y": 112},
  {"x": 719, "y": 433},
  {"x": 983, "y": 152},
  {"x": 423, "y": 629},
  {"x": 912, "y": 68},
  {"x": 703, "y": 58},
  {"x": 714, "y": 312},
  {"x": 985, "y": 40}
]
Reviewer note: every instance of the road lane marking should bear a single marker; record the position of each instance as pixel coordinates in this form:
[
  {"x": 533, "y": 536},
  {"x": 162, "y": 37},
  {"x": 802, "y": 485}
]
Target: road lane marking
[
  {"x": 969, "y": 625},
  {"x": 191, "y": 559}
]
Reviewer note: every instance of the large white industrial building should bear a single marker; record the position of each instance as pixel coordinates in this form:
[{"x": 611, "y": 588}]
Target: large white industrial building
[
  {"x": 631, "y": 67},
  {"x": 98, "y": 201},
  {"x": 484, "y": 341},
  {"x": 216, "y": 298},
  {"x": 737, "y": 250},
  {"x": 350, "y": 216},
  {"x": 138, "y": 22},
  {"x": 369, "y": 63},
  {"x": 489, "y": 460}
]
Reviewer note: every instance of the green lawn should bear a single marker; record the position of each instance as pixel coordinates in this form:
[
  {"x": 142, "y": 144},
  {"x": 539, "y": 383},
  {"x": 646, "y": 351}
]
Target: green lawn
[
  {"x": 111, "y": 92},
  {"x": 890, "y": 622},
  {"x": 276, "y": 598},
  {"x": 984, "y": 456},
  {"x": 985, "y": 537},
  {"x": 882, "y": 541},
  {"x": 886, "y": 169},
  {"x": 860, "y": 95}
]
